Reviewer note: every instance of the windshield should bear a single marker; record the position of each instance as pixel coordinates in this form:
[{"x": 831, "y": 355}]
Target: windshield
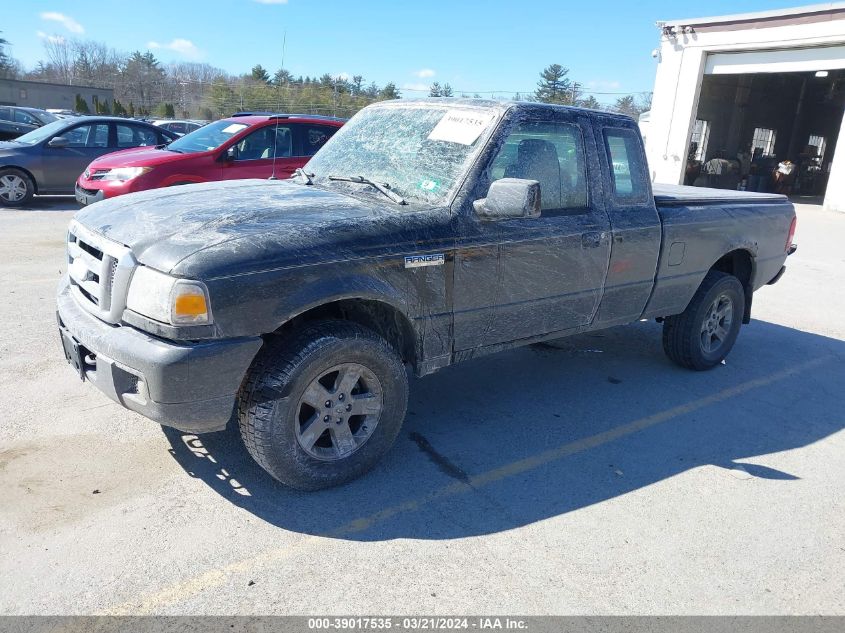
[
  {"x": 44, "y": 116},
  {"x": 206, "y": 138},
  {"x": 42, "y": 133},
  {"x": 420, "y": 151}
]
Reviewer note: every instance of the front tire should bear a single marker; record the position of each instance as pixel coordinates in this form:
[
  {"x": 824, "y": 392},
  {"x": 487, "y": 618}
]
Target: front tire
[
  {"x": 321, "y": 406},
  {"x": 703, "y": 335},
  {"x": 16, "y": 188}
]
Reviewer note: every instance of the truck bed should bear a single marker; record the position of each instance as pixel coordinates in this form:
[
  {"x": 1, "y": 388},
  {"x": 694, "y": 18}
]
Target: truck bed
[{"x": 671, "y": 195}]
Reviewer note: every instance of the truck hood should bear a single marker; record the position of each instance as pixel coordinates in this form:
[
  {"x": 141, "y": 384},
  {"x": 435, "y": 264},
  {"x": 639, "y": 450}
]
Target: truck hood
[{"x": 165, "y": 226}]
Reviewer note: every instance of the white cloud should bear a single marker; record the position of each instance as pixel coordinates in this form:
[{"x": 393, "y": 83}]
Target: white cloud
[
  {"x": 416, "y": 87},
  {"x": 272, "y": 1},
  {"x": 602, "y": 85},
  {"x": 181, "y": 46},
  {"x": 424, "y": 73},
  {"x": 66, "y": 21},
  {"x": 53, "y": 39}
]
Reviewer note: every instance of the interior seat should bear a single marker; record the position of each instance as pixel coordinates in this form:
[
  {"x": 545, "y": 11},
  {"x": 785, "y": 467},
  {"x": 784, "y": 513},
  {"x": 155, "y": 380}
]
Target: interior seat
[{"x": 537, "y": 159}]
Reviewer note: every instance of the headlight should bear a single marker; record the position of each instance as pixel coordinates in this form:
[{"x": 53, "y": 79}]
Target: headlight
[
  {"x": 122, "y": 174},
  {"x": 167, "y": 299}
]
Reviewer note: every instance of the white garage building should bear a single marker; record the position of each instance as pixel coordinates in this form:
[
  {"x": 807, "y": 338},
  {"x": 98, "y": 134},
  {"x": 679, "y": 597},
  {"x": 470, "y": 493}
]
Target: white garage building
[{"x": 739, "y": 98}]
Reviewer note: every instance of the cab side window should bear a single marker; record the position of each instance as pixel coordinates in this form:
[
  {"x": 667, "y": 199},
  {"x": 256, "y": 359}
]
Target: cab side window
[
  {"x": 5, "y": 114},
  {"x": 627, "y": 167},
  {"x": 88, "y": 136},
  {"x": 262, "y": 143},
  {"x": 551, "y": 153}
]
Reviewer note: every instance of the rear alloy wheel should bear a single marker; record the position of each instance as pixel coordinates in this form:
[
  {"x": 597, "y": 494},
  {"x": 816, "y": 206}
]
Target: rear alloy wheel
[
  {"x": 702, "y": 335},
  {"x": 16, "y": 188},
  {"x": 716, "y": 327}
]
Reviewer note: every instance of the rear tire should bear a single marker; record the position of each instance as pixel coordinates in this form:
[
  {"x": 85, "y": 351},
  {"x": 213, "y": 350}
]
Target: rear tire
[
  {"x": 703, "y": 335},
  {"x": 16, "y": 188},
  {"x": 322, "y": 405}
]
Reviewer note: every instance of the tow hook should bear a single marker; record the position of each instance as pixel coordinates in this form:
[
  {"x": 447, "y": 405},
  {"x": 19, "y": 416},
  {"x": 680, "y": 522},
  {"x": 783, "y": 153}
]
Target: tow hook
[{"x": 791, "y": 249}]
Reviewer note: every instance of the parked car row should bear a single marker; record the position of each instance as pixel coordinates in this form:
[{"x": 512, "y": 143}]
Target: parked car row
[
  {"x": 179, "y": 126},
  {"x": 50, "y": 158},
  {"x": 16, "y": 121},
  {"x": 102, "y": 157}
]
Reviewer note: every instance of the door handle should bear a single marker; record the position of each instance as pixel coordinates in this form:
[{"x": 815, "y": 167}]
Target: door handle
[{"x": 591, "y": 239}]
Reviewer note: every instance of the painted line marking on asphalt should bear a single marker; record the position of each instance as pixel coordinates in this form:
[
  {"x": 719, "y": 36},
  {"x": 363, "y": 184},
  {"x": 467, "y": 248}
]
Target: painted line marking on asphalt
[{"x": 197, "y": 584}]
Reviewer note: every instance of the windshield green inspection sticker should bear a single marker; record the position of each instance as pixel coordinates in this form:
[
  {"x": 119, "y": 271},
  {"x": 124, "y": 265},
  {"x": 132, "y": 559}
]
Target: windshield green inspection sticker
[{"x": 428, "y": 185}]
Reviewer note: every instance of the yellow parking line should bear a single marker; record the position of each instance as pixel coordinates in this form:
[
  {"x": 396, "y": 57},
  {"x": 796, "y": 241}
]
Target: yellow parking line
[{"x": 214, "y": 577}]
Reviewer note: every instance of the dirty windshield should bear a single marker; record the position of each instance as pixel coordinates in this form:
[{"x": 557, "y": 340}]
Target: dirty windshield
[
  {"x": 420, "y": 152},
  {"x": 206, "y": 138}
]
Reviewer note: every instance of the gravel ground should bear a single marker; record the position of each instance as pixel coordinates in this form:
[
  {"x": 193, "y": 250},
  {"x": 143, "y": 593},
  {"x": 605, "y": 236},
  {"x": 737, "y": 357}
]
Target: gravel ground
[{"x": 592, "y": 477}]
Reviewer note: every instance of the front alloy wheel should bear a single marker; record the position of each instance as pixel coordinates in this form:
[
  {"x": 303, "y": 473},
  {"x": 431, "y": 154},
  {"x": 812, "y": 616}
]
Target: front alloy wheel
[
  {"x": 339, "y": 411},
  {"x": 14, "y": 188},
  {"x": 322, "y": 404}
]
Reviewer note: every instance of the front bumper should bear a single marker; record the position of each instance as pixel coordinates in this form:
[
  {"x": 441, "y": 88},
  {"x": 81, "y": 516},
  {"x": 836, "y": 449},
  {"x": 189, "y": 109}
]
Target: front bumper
[
  {"x": 88, "y": 196},
  {"x": 189, "y": 386}
]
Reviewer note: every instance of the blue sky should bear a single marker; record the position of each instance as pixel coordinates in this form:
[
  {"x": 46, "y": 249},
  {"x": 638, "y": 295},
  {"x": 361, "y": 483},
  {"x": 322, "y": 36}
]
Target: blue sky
[{"x": 474, "y": 45}]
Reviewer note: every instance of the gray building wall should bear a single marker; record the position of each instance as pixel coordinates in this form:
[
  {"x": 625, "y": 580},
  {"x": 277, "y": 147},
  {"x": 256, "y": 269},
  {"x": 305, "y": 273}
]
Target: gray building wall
[{"x": 35, "y": 94}]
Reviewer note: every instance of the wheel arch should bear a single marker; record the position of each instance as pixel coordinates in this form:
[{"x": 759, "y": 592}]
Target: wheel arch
[
  {"x": 375, "y": 312},
  {"x": 26, "y": 172},
  {"x": 741, "y": 264}
]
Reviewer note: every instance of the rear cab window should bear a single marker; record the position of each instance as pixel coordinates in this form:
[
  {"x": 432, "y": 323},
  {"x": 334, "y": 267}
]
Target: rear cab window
[
  {"x": 628, "y": 173},
  {"x": 135, "y": 136},
  {"x": 313, "y": 137}
]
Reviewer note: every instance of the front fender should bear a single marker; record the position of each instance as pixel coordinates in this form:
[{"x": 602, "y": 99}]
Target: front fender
[{"x": 261, "y": 303}]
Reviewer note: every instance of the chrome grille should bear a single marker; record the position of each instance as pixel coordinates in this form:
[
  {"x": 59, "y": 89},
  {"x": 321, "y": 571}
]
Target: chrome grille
[{"x": 99, "y": 271}]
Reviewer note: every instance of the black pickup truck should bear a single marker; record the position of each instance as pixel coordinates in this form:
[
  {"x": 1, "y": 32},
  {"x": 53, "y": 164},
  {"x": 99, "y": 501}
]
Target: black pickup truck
[{"x": 424, "y": 233}]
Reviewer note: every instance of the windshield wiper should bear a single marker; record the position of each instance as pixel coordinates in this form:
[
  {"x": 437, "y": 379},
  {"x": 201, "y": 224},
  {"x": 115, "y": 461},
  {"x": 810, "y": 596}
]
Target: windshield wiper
[
  {"x": 383, "y": 187},
  {"x": 306, "y": 177}
]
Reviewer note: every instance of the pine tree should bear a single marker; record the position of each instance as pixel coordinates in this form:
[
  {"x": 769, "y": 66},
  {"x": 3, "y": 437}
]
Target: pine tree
[
  {"x": 626, "y": 105},
  {"x": 390, "y": 91},
  {"x": 81, "y": 105},
  {"x": 555, "y": 87},
  {"x": 590, "y": 102},
  {"x": 435, "y": 90},
  {"x": 282, "y": 77},
  {"x": 258, "y": 73}
]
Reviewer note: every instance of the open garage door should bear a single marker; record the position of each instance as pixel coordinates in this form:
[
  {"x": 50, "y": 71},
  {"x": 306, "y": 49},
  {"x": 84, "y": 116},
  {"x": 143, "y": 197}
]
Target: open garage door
[{"x": 762, "y": 128}]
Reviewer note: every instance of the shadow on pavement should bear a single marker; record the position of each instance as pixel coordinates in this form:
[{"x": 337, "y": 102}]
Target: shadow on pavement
[
  {"x": 50, "y": 203},
  {"x": 529, "y": 434}
]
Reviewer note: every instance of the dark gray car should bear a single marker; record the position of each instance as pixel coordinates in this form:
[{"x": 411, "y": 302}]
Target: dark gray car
[
  {"x": 49, "y": 160},
  {"x": 16, "y": 121}
]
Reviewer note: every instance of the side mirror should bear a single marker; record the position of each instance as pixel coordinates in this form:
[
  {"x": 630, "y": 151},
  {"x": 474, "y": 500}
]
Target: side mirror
[
  {"x": 229, "y": 155},
  {"x": 510, "y": 198},
  {"x": 58, "y": 142}
]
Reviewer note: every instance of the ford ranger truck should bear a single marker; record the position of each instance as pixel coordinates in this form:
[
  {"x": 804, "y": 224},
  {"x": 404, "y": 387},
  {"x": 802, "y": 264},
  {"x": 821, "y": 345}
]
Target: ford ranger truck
[{"x": 424, "y": 233}]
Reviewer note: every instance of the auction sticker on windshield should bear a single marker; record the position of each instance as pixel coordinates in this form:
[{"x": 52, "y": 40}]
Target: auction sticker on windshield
[
  {"x": 461, "y": 126},
  {"x": 234, "y": 128}
]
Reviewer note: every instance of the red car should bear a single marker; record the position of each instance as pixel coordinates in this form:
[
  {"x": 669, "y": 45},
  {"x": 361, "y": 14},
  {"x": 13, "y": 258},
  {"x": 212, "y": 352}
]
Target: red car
[{"x": 246, "y": 145}]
